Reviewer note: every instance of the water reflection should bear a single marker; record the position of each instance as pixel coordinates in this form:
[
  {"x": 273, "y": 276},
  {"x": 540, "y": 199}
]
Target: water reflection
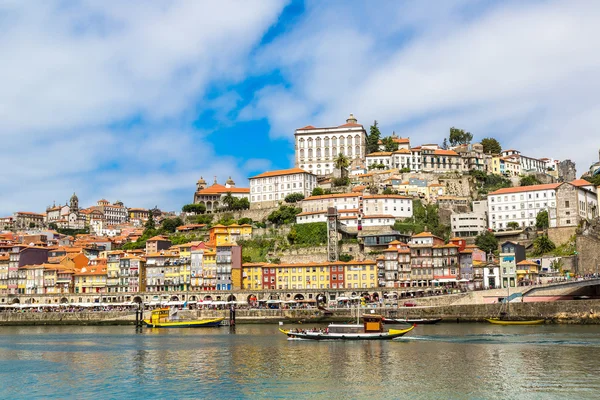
[{"x": 445, "y": 361}]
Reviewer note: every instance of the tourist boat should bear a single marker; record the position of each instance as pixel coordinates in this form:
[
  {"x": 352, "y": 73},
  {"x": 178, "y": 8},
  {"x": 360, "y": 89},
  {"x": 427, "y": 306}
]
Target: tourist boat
[
  {"x": 499, "y": 321},
  {"x": 167, "y": 318},
  {"x": 371, "y": 329},
  {"x": 412, "y": 321}
]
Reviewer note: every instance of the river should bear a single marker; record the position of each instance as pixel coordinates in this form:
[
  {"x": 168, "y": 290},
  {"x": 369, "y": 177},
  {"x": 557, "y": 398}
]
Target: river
[{"x": 446, "y": 361}]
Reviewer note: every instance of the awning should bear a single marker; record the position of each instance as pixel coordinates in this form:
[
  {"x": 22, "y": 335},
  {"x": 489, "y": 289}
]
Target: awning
[{"x": 447, "y": 280}]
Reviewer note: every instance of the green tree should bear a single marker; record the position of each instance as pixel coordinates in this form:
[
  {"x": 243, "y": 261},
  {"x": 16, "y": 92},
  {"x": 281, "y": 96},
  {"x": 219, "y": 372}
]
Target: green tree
[
  {"x": 170, "y": 224},
  {"x": 405, "y": 170},
  {"x": 226, "y": 219},
  {"x": 487, "y": 242},
  {"x": 204, "y": 219},
  {"x": 344, "y": 181},
  {"x": 240, "y": 204},
  {"x": 491, "y": 146},
  {"x": 341, "y": 162},
  {"x": 541, "y": 220},
  {"x": 542, "y": 245},
  {"x": 194, "y": 208},
  {"x": 294, "y": 197},
  {"x": 389, "y": 144},
  {"x": 244, "y": 221},
  {"x": 310, "y": 234},
  {"x": 388, "y": 190},
  {"x": 284, "y": 215},
  {"x": 373, "y": 138},
  {"x": 346, "y": 257},
  {"x": 445, "y": 144},
  {"x": 228, "y": 200},
  {"x": 529, "y": 180},
  {"x": 593, "y": 179},
  {"x": 459, "y": 136},
  {"x": 150, "y": 224},
  {"x": 513, "y": 225},
  {"x": 317, "y": 192}
]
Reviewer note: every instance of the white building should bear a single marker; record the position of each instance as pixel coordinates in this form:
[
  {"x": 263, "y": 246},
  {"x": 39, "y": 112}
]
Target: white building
[
  {"x": 519, "y": 204},
  {"x": 528, "y": 164},
  {"x": 213, "y": 195},
  {"x": 317, "y": 148},
  {"x": 468, "y": 224},
  {"x": 273, "y": 186},
  {"x": 378, "y": 210},
  {"x": 575, "y": 201}
]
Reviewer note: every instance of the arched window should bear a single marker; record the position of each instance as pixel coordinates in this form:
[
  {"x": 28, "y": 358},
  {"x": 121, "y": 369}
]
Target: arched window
[
  {"x": 349, "y": 140},
  {"x": 318, "y": 142},
  {"x": 301, "y": 153},
  {"x": 326, "y": 140},
  {"x": 341, "y": 141},
  {"x": 349, "y": 150},
  {"x": 302, "y": 143},
  {"x": 318, "y": 152},
  {"x": 357, "y": 151},
  {"x": 334, "y": 141},
  {"x": 310, "y": 143},
  {"x": 309, "y": 153},
  {"x": 333, "y": 151}
]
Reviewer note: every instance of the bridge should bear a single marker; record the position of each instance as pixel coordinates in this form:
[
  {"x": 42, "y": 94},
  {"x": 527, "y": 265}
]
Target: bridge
[{"x": 585, "y": 288}]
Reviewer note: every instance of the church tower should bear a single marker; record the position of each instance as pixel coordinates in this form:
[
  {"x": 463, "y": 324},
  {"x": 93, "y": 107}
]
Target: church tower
[
  {"x": 201, "y": 184},
  {"x": 74, "y": 204},
  {"x": 351, "y": 119}
]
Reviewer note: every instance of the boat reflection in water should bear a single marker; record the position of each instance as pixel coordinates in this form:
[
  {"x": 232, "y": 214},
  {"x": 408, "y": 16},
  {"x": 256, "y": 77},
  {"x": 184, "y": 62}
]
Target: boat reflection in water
[{"x": 370, "y": 329}]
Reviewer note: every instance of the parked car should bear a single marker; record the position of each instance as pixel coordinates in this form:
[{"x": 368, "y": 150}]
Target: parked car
[{"x": 410, "y": 304}]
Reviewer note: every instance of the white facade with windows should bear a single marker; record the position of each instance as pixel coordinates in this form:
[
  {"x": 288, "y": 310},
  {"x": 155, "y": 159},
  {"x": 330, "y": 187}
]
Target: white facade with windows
[
  {"x": 468, "y": 224},
  {"x": 317, "y": 148},
  {"x": 378, "y": 210},
  {"x": 520, "y": 205},
  {"x": 274, "y": 186}
]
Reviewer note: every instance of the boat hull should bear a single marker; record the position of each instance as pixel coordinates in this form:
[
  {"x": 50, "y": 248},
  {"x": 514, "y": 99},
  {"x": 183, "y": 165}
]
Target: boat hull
[
  {"x": 498, "y": 321},
  {"x": 417, "y": 321},
  {"x": 389, "y": 335},
  {"x": 204, "y": 323}
]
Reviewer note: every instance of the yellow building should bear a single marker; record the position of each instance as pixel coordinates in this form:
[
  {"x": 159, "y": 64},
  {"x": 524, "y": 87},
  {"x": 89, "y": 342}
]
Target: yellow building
[
  {"x": 527, "y": 271},
  {"x": 209, "y": 270},
  {"x": 252, "y": 275},
  {"x": 360, "y": 274},
  {"x": 221, "y": 235},
  {"x": 185, "y": 257},
  {"x": 4, "y": 259},
  {"x": 92, "y": 279}
]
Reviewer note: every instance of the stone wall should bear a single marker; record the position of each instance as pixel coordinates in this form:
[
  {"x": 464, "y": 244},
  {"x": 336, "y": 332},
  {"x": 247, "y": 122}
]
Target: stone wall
[
  {"x": 588, "y": 248},
  {"x": 319, "y": 253},
  {"x": 575, "y": 311},
  {"x": 566, "y": 171},
  {"x": 561, "y": 235}
]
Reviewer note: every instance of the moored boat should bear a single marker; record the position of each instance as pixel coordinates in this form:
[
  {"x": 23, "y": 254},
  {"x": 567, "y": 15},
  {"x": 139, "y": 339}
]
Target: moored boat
[
  {"x": 412, "y": 321},
  {"x": 371, "y": 329},
  {"x": 163, "y": 318},
  {"x": 498, "y": 321}
]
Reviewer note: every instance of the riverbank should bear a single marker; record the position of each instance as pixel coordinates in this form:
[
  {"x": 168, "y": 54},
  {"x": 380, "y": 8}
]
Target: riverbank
[{"x": 561, "y": 312}]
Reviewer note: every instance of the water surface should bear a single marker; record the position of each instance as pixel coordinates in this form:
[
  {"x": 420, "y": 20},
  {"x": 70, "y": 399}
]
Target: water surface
[{"x": 447, "y": 361}]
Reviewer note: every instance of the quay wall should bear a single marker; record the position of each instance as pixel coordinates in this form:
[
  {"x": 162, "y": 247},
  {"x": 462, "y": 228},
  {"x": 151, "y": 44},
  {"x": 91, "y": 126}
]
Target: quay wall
[{"x": 567, "y": 311}]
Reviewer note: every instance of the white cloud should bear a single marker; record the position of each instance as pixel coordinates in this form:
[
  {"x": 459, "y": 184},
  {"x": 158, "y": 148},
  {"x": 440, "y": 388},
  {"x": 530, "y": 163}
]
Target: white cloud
[
  {"x": 70, "y": 71},
  {"x": 525, "y": 72}
]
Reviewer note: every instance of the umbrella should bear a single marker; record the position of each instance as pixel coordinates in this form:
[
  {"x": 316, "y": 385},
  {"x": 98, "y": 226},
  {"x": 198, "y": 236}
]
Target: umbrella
[{"x": 463, "y": 280}]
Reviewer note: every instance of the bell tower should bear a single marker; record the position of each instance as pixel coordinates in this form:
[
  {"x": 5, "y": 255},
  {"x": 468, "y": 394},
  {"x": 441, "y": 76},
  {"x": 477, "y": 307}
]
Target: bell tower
[{"x": 74, "y": 204}]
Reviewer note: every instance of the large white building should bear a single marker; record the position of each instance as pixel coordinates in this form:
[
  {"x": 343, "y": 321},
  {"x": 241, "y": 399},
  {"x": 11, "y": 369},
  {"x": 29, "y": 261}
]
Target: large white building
[
  {"x": 519, "y": 204},
  {"x": 378, "y": 210},
  {"x": 273, "y": 186},
  {"x": 317, "y": 148},
  {"x": 528, "y": 164}
]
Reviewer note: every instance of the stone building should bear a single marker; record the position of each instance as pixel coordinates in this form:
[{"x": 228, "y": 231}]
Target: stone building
[{"x": 212, "y": 195}]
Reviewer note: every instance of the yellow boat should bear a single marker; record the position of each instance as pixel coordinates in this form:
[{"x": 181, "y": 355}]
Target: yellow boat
[
  {"x": 161, "y": 318},
  {"x": 498, "y": 321}
]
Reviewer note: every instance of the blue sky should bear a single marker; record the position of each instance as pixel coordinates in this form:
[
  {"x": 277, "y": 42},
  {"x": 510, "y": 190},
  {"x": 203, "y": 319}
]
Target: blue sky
[{"x": 135, "y": 101}]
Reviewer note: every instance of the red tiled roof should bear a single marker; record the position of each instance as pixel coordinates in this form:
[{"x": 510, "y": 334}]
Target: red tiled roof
[
  {"x": 281, "y": 172},
  {"x": 521, "y": 189}
]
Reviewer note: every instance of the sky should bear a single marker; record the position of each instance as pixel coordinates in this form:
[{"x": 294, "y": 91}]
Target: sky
[{"x": 134, "y": 101}]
